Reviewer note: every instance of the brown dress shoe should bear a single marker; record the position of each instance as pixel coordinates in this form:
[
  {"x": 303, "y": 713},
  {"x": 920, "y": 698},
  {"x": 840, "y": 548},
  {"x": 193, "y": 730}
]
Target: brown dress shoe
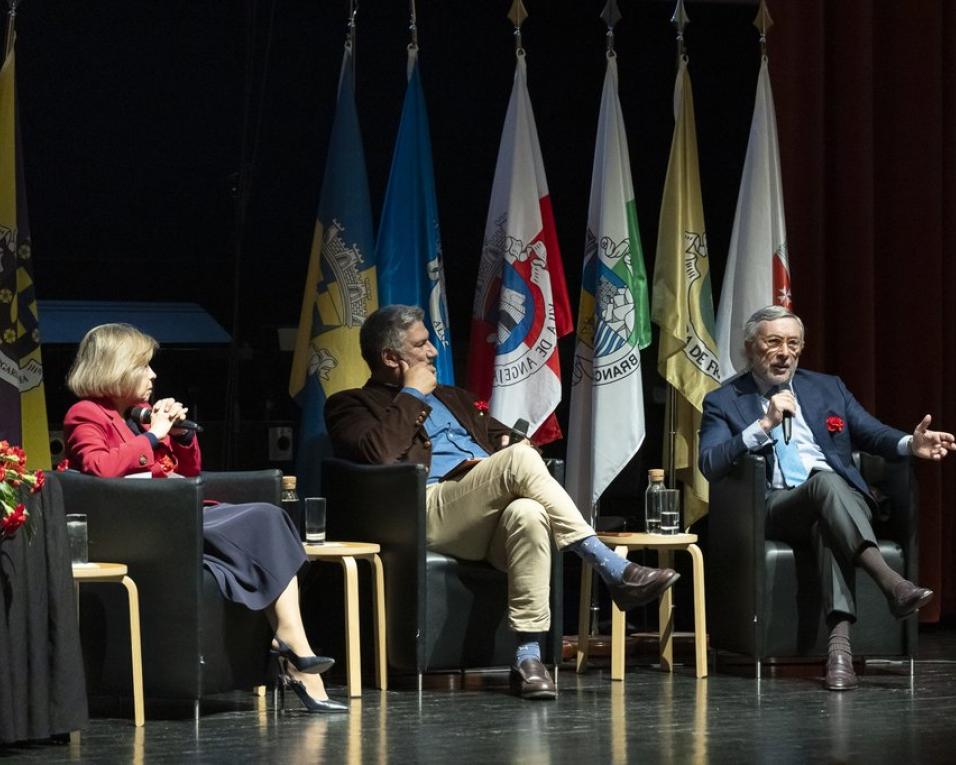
[
  {"x": 531, "y": 680},
  {"x": 840, "y": 675},
  {"x": 641, "y": 585},
  {"x": 907, "y": 598}
]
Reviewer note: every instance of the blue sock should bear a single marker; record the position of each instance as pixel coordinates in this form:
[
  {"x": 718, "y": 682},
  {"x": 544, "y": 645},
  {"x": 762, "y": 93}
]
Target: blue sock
[
  {"x": 609, "y": 565},
  {"x": 528, "y": 647}
]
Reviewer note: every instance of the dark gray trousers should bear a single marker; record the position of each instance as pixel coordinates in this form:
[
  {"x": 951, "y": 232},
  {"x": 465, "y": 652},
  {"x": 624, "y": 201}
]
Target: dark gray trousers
[{"x": 834, "y": 518}]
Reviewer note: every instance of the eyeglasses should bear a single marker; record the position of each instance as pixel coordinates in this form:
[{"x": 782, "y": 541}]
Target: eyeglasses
[{"x": 775, "y": 343}]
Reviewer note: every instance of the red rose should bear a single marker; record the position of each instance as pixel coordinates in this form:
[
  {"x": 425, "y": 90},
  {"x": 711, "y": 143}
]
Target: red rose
[
  {"x": 482, "y": 406},
  {"x": 62, "y": 465},
  {"x": 39, "y": 481},
  {"x": 167, "y": 465},
  {"x": 835, "y": 424}
]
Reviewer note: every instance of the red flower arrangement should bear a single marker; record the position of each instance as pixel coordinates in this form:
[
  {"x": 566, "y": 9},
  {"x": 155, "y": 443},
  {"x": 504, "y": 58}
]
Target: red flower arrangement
[
  {"x": 835, "y": 424},
  {"x": 482, "y": 406},
  {"x": 14, "y": 480}
]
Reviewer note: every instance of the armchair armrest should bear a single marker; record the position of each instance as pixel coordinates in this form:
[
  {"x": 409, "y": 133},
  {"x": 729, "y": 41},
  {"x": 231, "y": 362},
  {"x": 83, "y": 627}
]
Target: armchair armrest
[
  {"x": 735, "y": 564},
  {"x": 385, "y": 504},
  {"x": 896, "y": 482},
  {"x": 243, "y": 486},
  {"x": 155, "y": 528}
]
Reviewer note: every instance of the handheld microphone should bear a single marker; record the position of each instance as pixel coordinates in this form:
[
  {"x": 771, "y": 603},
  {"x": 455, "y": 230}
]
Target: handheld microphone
[
  {"x": 519, "y": 431},
  {"x": 143, "y": 415},
  {"x": 787, "y": 425}
]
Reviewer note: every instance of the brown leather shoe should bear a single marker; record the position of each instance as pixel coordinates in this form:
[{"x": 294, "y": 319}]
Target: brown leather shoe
[
  {"x": 641, "y": 585},
  {"x": 531, "y": 680},
  {"x": 908, "y": 598},
  {"x": 840, "y": 675}
]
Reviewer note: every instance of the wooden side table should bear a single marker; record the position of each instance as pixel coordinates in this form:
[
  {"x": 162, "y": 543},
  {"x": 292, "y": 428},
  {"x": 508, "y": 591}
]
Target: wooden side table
[
  {"x": 117, "y": 572},
  {"x": 346, "y": 554},
  {"x": 665, "y": 544}
]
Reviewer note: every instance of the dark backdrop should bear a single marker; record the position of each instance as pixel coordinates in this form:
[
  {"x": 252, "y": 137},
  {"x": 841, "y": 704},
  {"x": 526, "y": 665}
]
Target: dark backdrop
[{"x": 139, "y": 116}]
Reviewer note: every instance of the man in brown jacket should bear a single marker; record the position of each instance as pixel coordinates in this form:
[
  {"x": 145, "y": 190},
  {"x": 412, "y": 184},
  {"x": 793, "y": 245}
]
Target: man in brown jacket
[{"x": 487, "y": 499}]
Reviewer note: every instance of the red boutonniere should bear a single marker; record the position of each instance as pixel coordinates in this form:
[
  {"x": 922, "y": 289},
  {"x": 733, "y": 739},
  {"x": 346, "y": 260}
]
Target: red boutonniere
[
  {"x": 482, "y": 406},
  {"x": 835, "y": 424},
  {"x": 166, "y": 464}
]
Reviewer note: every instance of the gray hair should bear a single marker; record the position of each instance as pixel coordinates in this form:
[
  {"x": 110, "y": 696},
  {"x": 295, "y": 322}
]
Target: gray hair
[
  {"x": 768, "y": 313},
  {"x": 385, "y": 329}
]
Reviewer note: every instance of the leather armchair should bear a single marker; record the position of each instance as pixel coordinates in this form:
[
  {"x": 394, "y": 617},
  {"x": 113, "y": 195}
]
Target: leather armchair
[
  {"x": 442, "y": 613},
  {"x": 195, "y": 643},
  {"x": 764, "y": 596}
]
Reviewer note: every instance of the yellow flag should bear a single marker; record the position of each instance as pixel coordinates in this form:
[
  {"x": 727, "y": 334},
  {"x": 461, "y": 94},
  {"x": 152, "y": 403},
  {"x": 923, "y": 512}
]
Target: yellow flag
[
  {"x": 23, "y": 417},
  {"x": 682, "y": 304}
]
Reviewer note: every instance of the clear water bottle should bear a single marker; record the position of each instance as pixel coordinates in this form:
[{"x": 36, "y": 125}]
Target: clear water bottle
[
  {"x": 653, "y": 501},
  {"x": 289, "y": 500}
]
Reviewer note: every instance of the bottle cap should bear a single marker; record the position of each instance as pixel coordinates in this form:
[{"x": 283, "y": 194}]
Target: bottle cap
[
  {"x": 288, "y": 482},
  {"x": 656, "y": 474}
]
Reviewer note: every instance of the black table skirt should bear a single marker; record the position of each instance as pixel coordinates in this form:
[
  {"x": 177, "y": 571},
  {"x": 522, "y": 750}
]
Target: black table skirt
[{"x": 42, "y": 686}]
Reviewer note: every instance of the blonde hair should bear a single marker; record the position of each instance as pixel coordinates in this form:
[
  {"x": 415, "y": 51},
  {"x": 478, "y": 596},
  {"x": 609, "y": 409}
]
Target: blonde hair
[{"x": 109, "y": 360}]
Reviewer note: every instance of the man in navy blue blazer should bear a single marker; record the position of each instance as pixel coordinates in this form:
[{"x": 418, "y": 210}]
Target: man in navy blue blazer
[{"x": 806, "y": 425}]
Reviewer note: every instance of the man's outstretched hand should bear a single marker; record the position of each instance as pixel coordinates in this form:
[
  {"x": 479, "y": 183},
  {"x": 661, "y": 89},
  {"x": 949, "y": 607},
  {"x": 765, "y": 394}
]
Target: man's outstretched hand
[{"x": 931, "y": 444}]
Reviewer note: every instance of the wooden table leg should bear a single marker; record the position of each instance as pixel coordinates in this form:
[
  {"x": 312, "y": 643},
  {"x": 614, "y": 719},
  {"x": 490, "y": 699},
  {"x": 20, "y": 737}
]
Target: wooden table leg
[
  {"x": 132, "y": 592},
  {"x": 700, "y": 611},
  {"x": 584, "y": 618},
  {"x": 353, "y": 648},
  {"x": 378, "y": 606},
  {"x": 618, "y": 638},
  {"x": 666, "y": 616}
]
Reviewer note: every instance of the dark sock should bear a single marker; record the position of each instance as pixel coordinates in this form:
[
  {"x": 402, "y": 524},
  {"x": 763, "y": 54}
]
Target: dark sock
[
  {"x": 609, "y": 565},
  {"x": 839, "y": 640},
  {"x": 871, "y": 561},
  {"x": 528, "y": 647}
]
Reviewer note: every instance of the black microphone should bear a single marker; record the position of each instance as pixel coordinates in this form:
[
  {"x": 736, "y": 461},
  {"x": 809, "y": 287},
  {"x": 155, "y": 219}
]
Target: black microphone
[
  {"x": 787, "y": 425},
  {"x": 143, "y": 415},
  {"x": 519, "y": 431}
]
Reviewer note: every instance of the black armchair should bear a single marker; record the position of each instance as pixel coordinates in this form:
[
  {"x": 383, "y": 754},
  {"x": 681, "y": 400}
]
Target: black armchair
[
  {"x": 764, "y": 596},
  {"x": 195, "y": 643},
  {"x": 443, "y": 613}
]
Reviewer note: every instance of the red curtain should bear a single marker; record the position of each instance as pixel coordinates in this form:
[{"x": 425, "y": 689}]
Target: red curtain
[{"x": 866, "y": 107}]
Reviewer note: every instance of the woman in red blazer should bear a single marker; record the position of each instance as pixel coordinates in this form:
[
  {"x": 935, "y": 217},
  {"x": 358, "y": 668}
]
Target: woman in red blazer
[{"x": 252, "y": 549}]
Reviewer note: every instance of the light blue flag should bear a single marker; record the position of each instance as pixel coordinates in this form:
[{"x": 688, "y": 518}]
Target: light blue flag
[
  {"x": 340, "y": 287},
  {"x": 408, "y": 251}
]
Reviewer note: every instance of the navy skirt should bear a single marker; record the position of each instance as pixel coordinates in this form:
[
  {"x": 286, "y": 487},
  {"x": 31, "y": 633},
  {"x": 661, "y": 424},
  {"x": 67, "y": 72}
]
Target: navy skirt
[{"x": 252, "y": 550}]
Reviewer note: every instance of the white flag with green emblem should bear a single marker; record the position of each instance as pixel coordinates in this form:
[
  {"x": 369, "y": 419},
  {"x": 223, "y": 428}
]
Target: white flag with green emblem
[{"x": 607, "y": 400}]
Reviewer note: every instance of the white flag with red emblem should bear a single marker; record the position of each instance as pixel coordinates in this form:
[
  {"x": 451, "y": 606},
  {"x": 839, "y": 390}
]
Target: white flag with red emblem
[
  {"x": 521, "y": 303},
  {"x": 758, "y": 272}
]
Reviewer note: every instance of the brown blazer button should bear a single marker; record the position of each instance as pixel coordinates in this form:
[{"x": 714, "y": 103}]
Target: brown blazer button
[
  {"x": 427, "y": 444},
  {"x": 142, "y": 459}
]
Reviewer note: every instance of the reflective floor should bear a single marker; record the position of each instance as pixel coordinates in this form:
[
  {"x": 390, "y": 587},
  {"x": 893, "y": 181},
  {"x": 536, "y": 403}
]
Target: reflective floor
[{"x": 650, "y": 717}]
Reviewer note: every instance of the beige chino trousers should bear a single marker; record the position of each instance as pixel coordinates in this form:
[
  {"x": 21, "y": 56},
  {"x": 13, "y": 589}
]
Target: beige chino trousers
[{"x": 506, "y": 510}]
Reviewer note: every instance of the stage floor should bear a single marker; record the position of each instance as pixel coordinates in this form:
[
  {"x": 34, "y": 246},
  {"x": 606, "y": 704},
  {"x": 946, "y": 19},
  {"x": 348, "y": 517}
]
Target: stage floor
[{"x": 650, "y": 717}]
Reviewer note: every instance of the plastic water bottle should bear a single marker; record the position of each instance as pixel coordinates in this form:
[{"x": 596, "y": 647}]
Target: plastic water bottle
[{"x": 652, "y": 501}]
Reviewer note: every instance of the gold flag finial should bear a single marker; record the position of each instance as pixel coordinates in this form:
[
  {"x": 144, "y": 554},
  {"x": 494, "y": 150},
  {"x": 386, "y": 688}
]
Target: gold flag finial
[
  {"x": 611, "y": 15},
  {"x": 518, "y": 14},
  {"x": 680, "y": 19},
  {"x": 763, "y": 22}
]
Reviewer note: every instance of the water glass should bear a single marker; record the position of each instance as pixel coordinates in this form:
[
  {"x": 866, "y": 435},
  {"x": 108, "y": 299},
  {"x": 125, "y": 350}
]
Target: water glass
[
  {"x": 77, "y": 534},
  {"x": 315, "y": 520},
  {"x": 670, "y": 511}
]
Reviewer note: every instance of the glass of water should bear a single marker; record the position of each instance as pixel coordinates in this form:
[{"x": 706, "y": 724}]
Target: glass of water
[
  {"x": 77, "y": 534},
  {"x": 670, "y": 511}
]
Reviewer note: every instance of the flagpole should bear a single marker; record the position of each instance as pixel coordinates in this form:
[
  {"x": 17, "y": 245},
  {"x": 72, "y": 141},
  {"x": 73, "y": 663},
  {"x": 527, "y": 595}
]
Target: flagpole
[
  {"x": 11, "y": 23},
  {"x": 518, "y": 13},
  {"x": 680, "y": 19},
  {"x": 412, "y": 39}
]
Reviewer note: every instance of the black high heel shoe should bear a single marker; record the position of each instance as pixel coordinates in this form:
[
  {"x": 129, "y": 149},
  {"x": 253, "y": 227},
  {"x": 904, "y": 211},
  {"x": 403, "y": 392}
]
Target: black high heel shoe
[
  {"x": 311, "y": 665},
  {"x": 321, "y": 706}
]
